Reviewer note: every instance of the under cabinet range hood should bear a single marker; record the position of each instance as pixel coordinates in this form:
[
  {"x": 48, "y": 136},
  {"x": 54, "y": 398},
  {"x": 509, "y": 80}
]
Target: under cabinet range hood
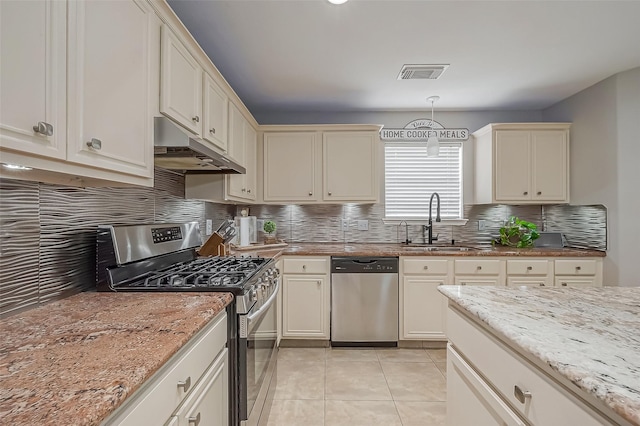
[{"x": 175, "y": 149}]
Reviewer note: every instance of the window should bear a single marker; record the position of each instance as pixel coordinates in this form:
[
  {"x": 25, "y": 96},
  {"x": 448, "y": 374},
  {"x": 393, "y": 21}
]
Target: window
[{"x": 411, "y": 177}]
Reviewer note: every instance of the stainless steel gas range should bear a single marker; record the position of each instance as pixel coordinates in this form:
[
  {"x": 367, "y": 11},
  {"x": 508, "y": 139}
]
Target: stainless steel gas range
[{"x": 162, "y": 257}]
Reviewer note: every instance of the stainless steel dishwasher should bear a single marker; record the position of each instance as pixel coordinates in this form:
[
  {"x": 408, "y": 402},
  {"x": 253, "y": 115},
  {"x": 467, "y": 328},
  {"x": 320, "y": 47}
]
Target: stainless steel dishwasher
[{"x": 364, "y": 301}]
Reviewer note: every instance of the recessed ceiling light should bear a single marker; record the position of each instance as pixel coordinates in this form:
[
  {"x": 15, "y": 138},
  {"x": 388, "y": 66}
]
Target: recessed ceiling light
[{"x": 337, "y": 1}]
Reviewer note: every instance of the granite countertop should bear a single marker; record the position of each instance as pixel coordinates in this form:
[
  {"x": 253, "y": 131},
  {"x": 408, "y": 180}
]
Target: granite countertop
[
  {"x": 379, "y": 249},
  {"x": 72, "y": 362},
  {"x": 590, "y": 336}
]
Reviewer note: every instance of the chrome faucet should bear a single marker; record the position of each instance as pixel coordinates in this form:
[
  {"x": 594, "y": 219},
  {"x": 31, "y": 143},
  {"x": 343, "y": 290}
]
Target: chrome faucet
[
  {"x": 406, "y": 231},
  {"x": 429, "y": 227}
]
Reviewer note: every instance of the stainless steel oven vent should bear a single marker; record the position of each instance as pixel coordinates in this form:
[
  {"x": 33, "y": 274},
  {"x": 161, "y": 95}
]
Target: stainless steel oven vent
[{"x": 422, "y": 72}]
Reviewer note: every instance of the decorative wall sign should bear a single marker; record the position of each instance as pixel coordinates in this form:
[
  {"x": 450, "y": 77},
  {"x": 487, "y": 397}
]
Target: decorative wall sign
[{"x": 421, "y": 129}]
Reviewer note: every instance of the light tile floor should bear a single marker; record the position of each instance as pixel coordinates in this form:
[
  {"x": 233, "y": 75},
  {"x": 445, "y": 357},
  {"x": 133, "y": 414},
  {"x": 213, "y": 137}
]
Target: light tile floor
[{"x": 367, "y": 387}]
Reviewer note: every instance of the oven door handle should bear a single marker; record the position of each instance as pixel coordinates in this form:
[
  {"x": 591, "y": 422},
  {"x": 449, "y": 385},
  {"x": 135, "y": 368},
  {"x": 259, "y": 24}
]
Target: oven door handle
[{"x": 264, "y": 308}]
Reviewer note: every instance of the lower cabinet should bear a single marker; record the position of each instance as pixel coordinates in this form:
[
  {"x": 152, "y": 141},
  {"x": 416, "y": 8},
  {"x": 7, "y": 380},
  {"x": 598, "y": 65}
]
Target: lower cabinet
[
  {"x": 490, "y": 384},
  {"x": 423, "y": 310},
  {"x": 192, "y": 385},
  {"x": 578, "y": 272},
  {"x": 305, "y": 298},
  {"x": 530, "y": 272}
]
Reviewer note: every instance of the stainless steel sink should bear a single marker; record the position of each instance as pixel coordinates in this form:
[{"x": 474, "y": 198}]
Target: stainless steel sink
[{"x": 439, "y": 248}]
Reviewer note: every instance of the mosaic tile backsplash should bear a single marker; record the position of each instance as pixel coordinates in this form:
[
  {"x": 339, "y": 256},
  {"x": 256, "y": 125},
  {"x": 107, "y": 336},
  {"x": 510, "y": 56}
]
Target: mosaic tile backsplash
[{"x": 47, "y": 232}]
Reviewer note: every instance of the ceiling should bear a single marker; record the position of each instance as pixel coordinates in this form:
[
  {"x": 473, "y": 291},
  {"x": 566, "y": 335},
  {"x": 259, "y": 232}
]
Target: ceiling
[{"x": 313, "y": 56}]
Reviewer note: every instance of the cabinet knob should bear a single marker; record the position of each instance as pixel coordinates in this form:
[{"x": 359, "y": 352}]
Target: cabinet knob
[
  {"x": 463, "y": 283},
  {"x": 522, "y": 396},
  {"x": 425, "y": 267},
  {"x": 212, "y": 130},
  {"x": 185, "y": 385},
  {"x": 564, "y": 284},
  {"x": 195, "y": 420},
  {"x": 244, "y": 189},
  {"x": 479, "y": 268},
  {"x": 529, "y": 268},
  {"x": 541, "y": 284},
  {"x": 196, "y": 119},
  {"x": 304, "y": 267},
  {"x": 95, "y": 144},
  {"x": 248, "y": 191},
  {"x": 329, "y": 193},
  {"x": 578, "y": 268},
  {"x": 539, "y": 192},
  {"x": 525, "y": 193},
  {"x": 310, "y": 194},
  {"x": 43, "y": 128}
]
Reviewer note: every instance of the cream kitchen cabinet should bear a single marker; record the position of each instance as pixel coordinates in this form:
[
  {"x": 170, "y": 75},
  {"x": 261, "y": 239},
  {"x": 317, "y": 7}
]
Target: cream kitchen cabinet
[
  {"x": 489, "y": 383},
  {"x": 33, "y": 77},
  {"x": 194, "y": 380},
  {"x": 93, "y": 123},
  {"x": 181, "y": 83},
  {"x": 215, "y": 112},
  {"x": 290, "y": 167},
  {"x": 530, "y": 272},
  {"x": 522, "y": 163},
  {"x": 305, "y": 298},
  {"x": 578, "y": 272},
  {"x": 349, "y": 166},
  {"x": 423, "y": 307},
  {"x": 479, "y": 271},
  {"x": 110, "y": 85},
  {"x": 333, "y": 164}
]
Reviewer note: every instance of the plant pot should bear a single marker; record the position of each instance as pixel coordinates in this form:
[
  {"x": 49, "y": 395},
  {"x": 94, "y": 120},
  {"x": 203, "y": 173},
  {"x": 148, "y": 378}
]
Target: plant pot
[{"x": 270, "y": 239}]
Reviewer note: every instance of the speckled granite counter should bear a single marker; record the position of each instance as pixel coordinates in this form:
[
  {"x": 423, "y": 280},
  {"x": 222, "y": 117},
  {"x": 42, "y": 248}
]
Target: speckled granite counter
[
  {"x": 359, "y": 249},
  {"x": 590, "y": 336},
  {"x": 72, "y": 362}
]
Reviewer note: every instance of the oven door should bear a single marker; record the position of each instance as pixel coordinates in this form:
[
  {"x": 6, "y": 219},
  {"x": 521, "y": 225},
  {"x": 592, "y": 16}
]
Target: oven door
[{"x": 257, "y": 358}]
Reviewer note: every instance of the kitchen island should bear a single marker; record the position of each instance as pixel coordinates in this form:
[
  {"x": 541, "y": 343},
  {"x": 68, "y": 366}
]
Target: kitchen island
[
  {"x": 74, "y": 361},
  {"x": 586, "y": 342}
]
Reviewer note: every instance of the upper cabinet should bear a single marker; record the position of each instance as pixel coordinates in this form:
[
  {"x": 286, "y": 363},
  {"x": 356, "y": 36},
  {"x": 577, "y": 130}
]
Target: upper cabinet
[
  {"x": 109, "y": 102},
  {"x": 214, "y": 113},
  {"x": 316, "y": 165},
  {"x": 32, "y": 77},
  {"x": 181, "y": 83},
  {"x": 522, "y": 163},
  {"x": 349, "y": 166},
  {"x": 97, "y": 129}
]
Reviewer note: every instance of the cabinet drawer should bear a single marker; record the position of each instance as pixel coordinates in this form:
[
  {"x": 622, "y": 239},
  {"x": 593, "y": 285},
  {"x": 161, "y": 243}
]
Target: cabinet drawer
[
  {"x": 504, "y": 371},
  {"x": 477, "y": 267},
  {"x": 575, "y": 267},
  {"x": 575, "y": 282},
  {"x": 425, "y": 266},
  {"x": 528, "y": 267},
  {"x": 306, "y": 265},
  {"x": 157, "y": 399}
]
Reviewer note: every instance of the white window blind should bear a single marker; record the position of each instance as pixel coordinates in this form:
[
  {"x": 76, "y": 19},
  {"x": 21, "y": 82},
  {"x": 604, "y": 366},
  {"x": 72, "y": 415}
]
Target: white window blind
[{"x": 411, "y": 177}]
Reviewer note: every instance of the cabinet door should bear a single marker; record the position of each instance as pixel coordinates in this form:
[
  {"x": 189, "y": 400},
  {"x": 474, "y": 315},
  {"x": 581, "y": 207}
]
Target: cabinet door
[
  {"x": 349, "y": 166},
  {"x": 424, "y": 308},
  {"x": 290, "y": 166},
  {"x": 250, "y": 178},
  {"x": 215, "y": 113},
  {"x": 305, "y": 307},
  {"x": 180, "y": 83},
  {"x": 32, "y": 76},
  {"x": 237, "y": 183},
  {"x": 470, "y": 400},
  {"x": 110, "y": 118},
  {"x": 208, "y": 403},
  {"x": 549, "y": 165},
  {"x": 512, "y": 165}
]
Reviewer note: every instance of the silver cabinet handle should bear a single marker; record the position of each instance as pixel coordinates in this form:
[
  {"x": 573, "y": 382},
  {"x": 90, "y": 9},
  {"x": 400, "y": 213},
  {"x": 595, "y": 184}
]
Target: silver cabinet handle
[
  {"x": 195, "y": 420},
  {"x": 95, "y": 144},
  {"x": 212, "y": 130},
  {"x": 43, "y": 128},
  {"x": 196, "y": 119},
  {"x": 185, "y": 385},
  {"x": 521, "y": 395}
]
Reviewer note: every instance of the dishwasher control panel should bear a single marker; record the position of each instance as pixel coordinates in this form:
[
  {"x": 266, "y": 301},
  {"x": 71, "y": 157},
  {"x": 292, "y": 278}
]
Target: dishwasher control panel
[{"x": 363, "y": 265}]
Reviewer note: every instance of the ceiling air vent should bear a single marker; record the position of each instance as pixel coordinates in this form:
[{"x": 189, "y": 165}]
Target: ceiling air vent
[{"x": 421, "y": 72}]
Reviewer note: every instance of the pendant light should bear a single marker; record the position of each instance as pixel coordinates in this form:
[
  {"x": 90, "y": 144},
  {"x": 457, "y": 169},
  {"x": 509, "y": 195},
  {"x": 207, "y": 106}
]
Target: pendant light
[{"x": 433, "y": 144}]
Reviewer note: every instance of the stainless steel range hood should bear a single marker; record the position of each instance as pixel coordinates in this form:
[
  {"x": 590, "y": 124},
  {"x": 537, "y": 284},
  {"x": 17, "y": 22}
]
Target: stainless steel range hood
[{"x": 176, "y": 149}]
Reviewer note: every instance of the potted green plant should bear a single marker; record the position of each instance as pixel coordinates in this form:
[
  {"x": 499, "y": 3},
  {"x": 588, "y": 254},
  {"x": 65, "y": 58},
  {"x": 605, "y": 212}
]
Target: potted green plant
[
  {"x": 269, "y": 227},
  {"x": 518, "y": 233}
]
